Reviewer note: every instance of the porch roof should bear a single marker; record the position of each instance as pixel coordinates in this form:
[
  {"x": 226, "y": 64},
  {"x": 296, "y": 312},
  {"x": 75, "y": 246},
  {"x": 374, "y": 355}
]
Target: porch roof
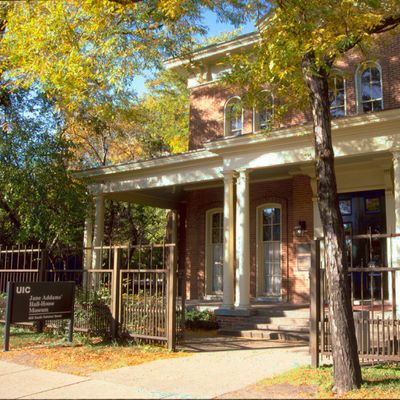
[{"x": 278, "y": 154}]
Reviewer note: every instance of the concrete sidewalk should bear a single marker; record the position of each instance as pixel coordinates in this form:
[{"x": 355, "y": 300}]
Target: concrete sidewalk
[{"x": 202, "y": 375}]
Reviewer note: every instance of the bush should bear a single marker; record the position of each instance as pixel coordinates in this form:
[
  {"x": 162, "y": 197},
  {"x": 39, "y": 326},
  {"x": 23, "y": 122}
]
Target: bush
[
  {"x": 92, "y": 311},
  {"x": 195, "y": 319}
]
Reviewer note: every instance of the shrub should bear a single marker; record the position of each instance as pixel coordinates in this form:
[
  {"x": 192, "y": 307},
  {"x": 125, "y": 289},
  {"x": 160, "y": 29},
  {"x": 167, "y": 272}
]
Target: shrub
[
  {"x": 92, "y": 311},
  {"x": 195, "y": 319}
]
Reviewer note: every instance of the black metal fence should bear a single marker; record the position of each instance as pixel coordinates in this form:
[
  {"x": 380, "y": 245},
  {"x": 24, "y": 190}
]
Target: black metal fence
[
  {"x": 129, "y": 290},
  {"x": 373, "y": 273}
]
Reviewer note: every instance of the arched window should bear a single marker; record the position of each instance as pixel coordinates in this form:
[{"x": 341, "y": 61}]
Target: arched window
[
  {"x": 263, "y": 111},
  {"x": 370, "y": 97},
  {"x": 233, "y": 117},
  {"x": 337, "y": 95}
]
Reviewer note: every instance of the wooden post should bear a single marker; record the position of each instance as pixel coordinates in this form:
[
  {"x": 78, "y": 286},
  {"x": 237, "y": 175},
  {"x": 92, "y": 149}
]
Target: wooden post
[
  {"x": 171, "y": 279},
  {"x": 115, "y": 293},
  {"x": 315, "y": 303}
]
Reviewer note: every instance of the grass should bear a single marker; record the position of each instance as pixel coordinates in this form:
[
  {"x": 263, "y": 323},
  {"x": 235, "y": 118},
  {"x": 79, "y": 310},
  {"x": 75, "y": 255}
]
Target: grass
[
  {"x": 380, "y": 382},
  {"x": 83, "y": 357}
]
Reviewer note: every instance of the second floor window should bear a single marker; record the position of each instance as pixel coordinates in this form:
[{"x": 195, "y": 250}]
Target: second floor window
[
  {"x": 370, "y": 89},
  {"x": 263, "y": 111},
  {"x": 337, "y": 96},
  {"x": 233, "y": 117}
]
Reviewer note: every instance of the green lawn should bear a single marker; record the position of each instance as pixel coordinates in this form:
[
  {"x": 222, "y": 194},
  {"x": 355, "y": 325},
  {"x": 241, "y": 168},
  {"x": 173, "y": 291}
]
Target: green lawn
[{"x": 380, "y": 382}]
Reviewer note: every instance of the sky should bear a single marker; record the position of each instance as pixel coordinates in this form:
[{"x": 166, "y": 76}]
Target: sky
[{"x": 215, "y": 27}]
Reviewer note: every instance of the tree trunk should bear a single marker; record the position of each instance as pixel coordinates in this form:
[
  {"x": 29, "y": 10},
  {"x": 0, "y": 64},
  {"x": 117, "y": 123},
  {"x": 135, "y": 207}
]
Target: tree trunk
[{"x": 346, "y": 365}]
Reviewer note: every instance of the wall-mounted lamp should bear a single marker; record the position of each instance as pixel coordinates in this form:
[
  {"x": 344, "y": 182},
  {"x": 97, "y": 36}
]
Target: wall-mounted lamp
[{"x": 300, "y": 229}]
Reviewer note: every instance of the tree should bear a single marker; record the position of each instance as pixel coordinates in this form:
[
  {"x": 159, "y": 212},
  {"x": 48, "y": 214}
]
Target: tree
[
  {"x": 73, "y": 49},
  {"x": 165, "y": 132},
  {"x": 300, "y": 42},
  {"x": 89, "y": 46},
  {"x": 37, "y": 191}
]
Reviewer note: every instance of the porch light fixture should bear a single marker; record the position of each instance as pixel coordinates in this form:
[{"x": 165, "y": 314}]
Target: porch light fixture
[{"x": 300, "y": 229}]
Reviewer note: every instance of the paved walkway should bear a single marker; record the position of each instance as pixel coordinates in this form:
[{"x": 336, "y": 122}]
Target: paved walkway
[{"x": 231, "y": 365}]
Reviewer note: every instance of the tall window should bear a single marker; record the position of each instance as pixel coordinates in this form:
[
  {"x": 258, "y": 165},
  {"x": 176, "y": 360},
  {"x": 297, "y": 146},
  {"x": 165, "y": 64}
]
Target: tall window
[
  {"x": 370, "y": 88},
  {"x": 263, "y": 111},
  {"x": 337, "y": 95},
  {"x": 214, "y": 251},
  {"x": 233, "y": 117},
  {"x": 269, "y": 244}
]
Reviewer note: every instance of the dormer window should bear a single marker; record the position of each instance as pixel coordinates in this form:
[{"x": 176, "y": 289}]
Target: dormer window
[
  {"x": 233, "y": 117},
  {"x": 263, "y": 111},
  {"x": 337, "y": 95},
  {"x": 370, "y": 97}
]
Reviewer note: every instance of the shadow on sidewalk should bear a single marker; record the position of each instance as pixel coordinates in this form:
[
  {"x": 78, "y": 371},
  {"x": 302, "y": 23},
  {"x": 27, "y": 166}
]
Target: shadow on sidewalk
[{"x": 230, "y": 343}]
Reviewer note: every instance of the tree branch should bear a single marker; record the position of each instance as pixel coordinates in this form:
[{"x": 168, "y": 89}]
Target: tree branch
[{"x": 385, "y": 25}]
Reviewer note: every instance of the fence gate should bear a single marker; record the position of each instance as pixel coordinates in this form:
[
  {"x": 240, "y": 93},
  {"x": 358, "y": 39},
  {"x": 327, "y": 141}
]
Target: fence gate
[
  {"x": 147, "y": 289},
  {"x": 372, "y": 280},
  {"x": 132, "y": 290}
]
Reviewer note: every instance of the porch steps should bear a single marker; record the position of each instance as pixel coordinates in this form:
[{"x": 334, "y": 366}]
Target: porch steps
[
  {"x": 278, "y": 334},
  {"x": 275, "y": 323}
]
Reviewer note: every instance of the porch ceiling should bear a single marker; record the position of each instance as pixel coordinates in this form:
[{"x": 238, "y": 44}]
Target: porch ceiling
[{"x": 166, "y": 197}]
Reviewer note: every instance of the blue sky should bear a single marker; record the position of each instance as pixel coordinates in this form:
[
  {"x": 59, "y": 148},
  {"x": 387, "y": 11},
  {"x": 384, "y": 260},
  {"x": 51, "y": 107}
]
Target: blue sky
[{"x": 215, "y": 27}]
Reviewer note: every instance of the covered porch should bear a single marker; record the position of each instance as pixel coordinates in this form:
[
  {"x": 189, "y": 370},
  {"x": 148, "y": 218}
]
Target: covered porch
[{"x": 242, "y": 177}]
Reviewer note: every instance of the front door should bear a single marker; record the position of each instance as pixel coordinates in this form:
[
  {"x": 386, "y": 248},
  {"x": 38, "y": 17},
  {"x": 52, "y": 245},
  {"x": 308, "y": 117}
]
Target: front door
[
  {"x": 270, "y": 268},
  {"x": 364, "y": 213}
]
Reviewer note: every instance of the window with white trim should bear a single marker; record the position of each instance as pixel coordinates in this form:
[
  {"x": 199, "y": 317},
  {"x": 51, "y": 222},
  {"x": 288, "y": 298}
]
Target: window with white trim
[
  {"x": 233, "y": 117},
  {"x": 337, "y": 95},
  {"x": 214, "y": 251},
  {"x": 263, "y": 111},
  {"x": 370, "y": 95},
  {"x": 269, "y": 222}
]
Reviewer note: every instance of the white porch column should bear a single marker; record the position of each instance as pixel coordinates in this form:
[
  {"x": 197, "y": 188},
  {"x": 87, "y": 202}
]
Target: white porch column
[
  {"x": 390, "y": 226},
  {"x": 396, "y": 241},
  {"x": 88, "y": 240},
  {"x": 242, "y": 241},
  {"x": 229, "y": 239},
  {"x": 98, "y": 234}
]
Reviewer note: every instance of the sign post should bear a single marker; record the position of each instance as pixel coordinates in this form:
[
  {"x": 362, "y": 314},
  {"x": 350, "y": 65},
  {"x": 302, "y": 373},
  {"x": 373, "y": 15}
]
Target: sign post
[
  {"x": 39, "y": 301},
  {"x": 8, "y": 316}
]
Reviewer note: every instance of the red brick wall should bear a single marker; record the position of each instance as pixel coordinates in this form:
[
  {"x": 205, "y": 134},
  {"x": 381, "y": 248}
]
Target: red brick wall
[
  {"x": 207, "y": 102},
  {"x": 197, "y": 204},
  {"x": 295, "y": 197},
  {"x": 302, "y": 211}
]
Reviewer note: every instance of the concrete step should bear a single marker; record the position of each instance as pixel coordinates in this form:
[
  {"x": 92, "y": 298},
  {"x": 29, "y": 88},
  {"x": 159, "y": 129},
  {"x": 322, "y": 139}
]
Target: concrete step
[
  {"x": 283, "y": 335},
  {"x": 290, "y": 313},
  {"x": 273, "y": 327},
  {"x": 278, "y": 321}
]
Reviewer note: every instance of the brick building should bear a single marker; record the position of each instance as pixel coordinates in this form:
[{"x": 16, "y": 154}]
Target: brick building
[{"x": 246, "y": 200}]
